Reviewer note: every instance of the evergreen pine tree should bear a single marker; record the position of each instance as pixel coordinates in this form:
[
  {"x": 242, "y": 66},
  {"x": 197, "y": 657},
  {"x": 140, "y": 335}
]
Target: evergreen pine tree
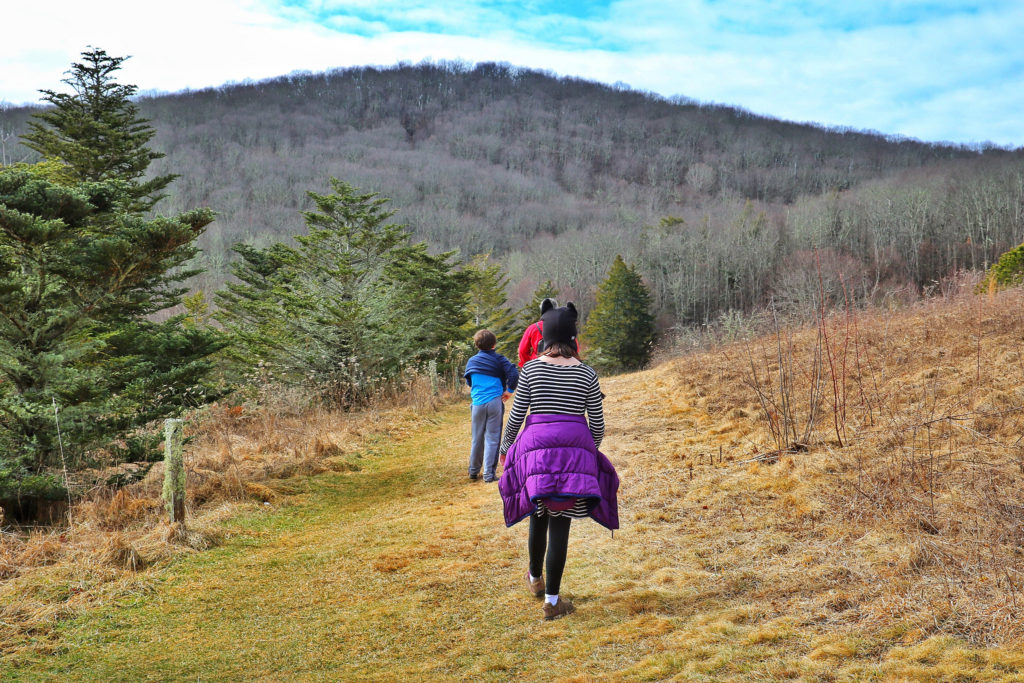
[
  {"x": 82, "y": 274},
  {"x": 487, "y": 305},
  {"x": 343, "y": 311},
  {"x": 79, "y": 281},
  {"x": 424, "y": 302},
  {"x": 96, "y": 131},
  {"x": 621, "y": 327}
]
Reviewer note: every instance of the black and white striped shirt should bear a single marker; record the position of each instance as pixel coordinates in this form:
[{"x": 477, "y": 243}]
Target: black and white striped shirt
[{"x": 556, "y": 390}]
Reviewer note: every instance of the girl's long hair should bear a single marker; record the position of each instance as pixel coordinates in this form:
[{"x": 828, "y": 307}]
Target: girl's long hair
[{"x": 562, "y": 350}]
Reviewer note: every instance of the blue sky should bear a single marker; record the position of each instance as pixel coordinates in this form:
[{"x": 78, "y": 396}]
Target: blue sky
[{"x": 930, "y": 69}]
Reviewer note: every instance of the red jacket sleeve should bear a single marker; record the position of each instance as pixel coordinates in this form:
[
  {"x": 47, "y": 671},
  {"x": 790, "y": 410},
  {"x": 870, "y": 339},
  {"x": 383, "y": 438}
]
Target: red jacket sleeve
[{"x": 528, "y": 344}]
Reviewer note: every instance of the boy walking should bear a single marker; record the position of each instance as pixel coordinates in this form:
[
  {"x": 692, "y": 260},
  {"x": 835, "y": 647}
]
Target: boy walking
[{"x": 491, "y": 378}]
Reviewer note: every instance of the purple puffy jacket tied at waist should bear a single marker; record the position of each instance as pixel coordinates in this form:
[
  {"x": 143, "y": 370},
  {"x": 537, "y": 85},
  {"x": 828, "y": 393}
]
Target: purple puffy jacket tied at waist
[{"x": 554, "y": 457}]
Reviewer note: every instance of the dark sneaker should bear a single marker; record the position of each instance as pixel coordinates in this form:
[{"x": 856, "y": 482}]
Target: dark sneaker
[
  {"x": 559, "y": 609},
  {"x": 536, "y": 587},
  {"x": 472, "y": 477},
  {"x": 488, "y": 480}
]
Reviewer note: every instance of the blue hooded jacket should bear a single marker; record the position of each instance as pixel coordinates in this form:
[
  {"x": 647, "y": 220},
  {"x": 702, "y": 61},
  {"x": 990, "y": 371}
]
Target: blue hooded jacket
[{"x": 493, "y": 364}]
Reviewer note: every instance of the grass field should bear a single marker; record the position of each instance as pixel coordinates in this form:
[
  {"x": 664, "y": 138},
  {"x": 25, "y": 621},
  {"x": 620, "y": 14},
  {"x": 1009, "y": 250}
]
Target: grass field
[{"x": 727, "y": 567}]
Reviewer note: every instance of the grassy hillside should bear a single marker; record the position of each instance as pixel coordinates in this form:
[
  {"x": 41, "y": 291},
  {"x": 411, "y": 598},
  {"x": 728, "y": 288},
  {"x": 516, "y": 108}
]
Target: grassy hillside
[{"x": 893, "y": 556}]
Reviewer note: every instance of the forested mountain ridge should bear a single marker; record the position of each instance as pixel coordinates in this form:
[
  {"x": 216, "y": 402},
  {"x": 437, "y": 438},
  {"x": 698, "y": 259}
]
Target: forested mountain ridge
[{"x": 554, "y": 176}]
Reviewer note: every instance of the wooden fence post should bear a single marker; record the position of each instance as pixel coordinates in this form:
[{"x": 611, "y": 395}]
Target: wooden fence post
[
  {"x": 432, "y": 369},
  {"x": 174, "y": 471}
]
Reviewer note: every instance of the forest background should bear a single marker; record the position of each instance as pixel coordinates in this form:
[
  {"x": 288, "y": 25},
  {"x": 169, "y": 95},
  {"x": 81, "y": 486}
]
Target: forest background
[
  {"x": 721, "y": 211},
  {"x": 457, "y": 198}
]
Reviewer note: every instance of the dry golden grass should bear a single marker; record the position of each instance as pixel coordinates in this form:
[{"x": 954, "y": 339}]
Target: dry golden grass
[
  {"x": 916, "y": 521},
  {"x": 240, "y": 457},
  {"x": 893, "y": 557}
]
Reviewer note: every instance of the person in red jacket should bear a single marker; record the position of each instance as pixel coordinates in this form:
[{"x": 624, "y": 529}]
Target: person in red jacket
[{"x": 533, "y": 335}]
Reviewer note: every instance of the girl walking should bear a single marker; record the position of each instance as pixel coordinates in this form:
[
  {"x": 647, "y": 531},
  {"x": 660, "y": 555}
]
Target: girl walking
[{"x": 553, "y": 472}]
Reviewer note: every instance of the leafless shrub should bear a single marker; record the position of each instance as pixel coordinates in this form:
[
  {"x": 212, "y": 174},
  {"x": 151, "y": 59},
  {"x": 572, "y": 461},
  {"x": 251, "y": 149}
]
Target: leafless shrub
[
  {"x": 773, "y": 377},
  {"x": 927, "y": 409}
]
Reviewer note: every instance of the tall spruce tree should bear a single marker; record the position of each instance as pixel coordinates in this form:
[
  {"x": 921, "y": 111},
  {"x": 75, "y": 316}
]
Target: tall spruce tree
[
  {"x": 96, "y": 131},
  {"x": 79, "y": 281},
  {"x": 347, "y": 308},
  {"x": 424, "y": 301},
  {"x": 82, "y": 274},
  {"x": 621, "y": 328},
  {"x": 487, "y": 304}
]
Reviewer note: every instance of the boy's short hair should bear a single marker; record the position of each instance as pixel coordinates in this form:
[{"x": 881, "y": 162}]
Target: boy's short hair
[{"x": 485, "y": 340}]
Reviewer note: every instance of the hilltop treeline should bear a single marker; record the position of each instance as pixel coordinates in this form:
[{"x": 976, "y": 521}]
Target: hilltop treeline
[{"x": 719, "y": 208}]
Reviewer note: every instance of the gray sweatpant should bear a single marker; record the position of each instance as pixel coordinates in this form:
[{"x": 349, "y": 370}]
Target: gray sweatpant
[{"x": 486, "y": 437}]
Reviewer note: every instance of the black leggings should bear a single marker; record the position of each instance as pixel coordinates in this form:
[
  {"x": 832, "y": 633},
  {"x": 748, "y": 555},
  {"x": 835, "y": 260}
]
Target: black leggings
[{"x": 552, "y": 532}]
